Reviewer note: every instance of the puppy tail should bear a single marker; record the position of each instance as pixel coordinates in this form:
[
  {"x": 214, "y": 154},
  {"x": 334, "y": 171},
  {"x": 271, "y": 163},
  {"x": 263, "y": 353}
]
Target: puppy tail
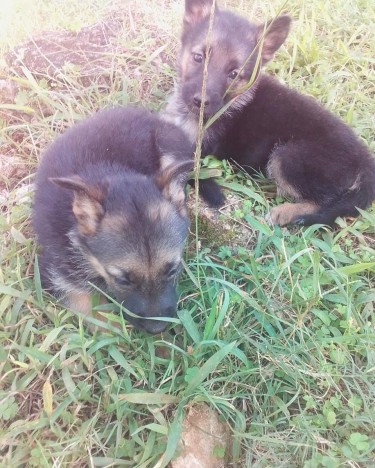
[{"x": 361, "y": 195}]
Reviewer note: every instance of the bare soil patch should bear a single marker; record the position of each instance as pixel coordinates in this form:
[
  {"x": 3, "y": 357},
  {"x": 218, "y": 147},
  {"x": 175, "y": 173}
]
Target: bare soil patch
[
  {"x": 92, "y": 49},
  {"x": 204, "y": 440}
]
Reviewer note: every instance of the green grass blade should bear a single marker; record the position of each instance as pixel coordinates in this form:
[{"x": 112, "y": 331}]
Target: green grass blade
[
  {"x": 146, "y": 398},
  {"x": 121, "y": 361},
  {"x": 357, "y": 268},
  {"x": 188, "y": 323},
  {"x": 208, "y": 367},
  {"x": 173, "y": 439}
]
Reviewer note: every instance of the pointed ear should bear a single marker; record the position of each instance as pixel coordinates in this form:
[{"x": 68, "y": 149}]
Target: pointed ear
[
  {"x": 87, "y": 202},
  {"x": 195, "y": 11},
  {"x": 273, "y": 34},
  {"x": 172, "y": 179}
]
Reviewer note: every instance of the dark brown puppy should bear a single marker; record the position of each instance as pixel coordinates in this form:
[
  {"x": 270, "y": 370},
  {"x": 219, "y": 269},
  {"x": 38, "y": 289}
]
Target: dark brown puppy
[
  {"x": 312, "y": 155},
  {"x": 110, "y": 211}
]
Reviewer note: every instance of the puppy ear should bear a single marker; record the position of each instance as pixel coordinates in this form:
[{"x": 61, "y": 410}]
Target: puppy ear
[
  {"x": 172, "y": 179},
  {"x": 273, "y": 33},
  {"x": 195, "y": 11},
  {"x": 87, "y": 202}
]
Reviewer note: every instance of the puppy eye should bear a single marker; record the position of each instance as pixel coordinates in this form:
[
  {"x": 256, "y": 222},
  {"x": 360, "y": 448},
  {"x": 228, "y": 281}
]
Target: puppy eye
[
  {"x": 172, "y": 272},
  {"x": 123, "y": 280},
  {"x": 198, "y": 58},
  {"x": 233, "y": 74}
]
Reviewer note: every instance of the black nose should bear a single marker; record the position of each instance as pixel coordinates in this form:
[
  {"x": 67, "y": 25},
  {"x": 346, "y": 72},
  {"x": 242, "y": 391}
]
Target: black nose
[
  {"x": 157, "y": 326},
  {"x": 198, "y": 101},
  {"x": 154, "y": 326}
]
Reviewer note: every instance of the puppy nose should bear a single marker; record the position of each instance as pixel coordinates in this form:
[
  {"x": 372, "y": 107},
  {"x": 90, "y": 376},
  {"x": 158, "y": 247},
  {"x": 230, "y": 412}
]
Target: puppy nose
[
  {"x": 154, "y": 326},
  {"x": 198, "y": 101}
]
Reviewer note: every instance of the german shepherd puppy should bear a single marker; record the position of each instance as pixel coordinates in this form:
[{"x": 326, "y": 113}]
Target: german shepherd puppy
[
  {"x": 110, "y": 211},
  {"x": 312, "y": 155}
]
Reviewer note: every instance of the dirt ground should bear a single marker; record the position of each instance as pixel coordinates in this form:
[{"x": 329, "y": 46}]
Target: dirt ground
[
  {"x": 204, "y": 440},
  {"x": 46, "y": 57}
]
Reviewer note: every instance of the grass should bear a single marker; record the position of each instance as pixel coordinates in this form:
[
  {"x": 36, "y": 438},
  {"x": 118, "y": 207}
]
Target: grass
[{"x": 276, "y": 332}]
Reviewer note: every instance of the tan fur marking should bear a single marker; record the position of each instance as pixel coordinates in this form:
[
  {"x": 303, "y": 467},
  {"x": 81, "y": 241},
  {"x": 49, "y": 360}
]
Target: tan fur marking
[
  {"x": 356, "y": 184},
  {"x": 166, "y": 160},
  {"x": 172, "y": 114},
  {"x": 190, "y": 127},
  {"x": 163, "y": 257},
  {"x": 169, "y": 181},
  {"x": 136, "y": 264},
  {"x": 287, "y": 212},
  {"x": 81, "y": 304},
  {"x": 114, "y": 270},
  {"x": 185, "y": 60},
  {"x": 196, "y": 12},
  {"x": 140, "y": 267},
  {"x": 283, "y": 187},
  {"x": 175, "y": 192},
  {"x": 98, "y": 267},
  {"x": 266, "y": 47},
  {"x": 159, "y": 212},
  {"x": 183, "y": 210},
  {"x": 239, "y": 88},
  {"x": 87, "y": 212},
  {"x": 115, "y": 222}
]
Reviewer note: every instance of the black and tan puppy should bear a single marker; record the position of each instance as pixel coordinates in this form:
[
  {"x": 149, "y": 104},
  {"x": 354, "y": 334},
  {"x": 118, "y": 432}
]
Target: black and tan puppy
[
  {"x": 110, "y": 211},
  {"x": 312, "y": 155}
]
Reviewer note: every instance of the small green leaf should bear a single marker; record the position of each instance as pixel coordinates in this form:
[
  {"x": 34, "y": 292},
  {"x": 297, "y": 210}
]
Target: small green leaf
[
  {"x": 347, "y": 451},
  {"x": 8, "y": 407},
  {"x": 323, "y": 315},
  {"x": 219, "y": 451},
  {"x": 69, "y": 384},
  {"x": 338, "y": 356},
  {"x": 310, "y": 402},
  {"x": 359, "y": 441},
  {"x": 355, "y": 403},
  {"x": 336, "y": 403},
  {"x": 331, "y": 417}
]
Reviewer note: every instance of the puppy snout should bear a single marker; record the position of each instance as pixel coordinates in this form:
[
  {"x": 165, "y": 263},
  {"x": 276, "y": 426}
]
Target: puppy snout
[
  {"x": 197, "y": 99},
  {"x": 154, "y": 326}
]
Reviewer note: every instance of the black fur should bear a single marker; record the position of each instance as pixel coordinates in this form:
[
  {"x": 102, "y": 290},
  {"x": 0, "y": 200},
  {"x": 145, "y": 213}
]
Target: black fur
[
  {"x": 321, "y": 156},
  {"x": 312, "y": 154},
  {"x": 102, "y": 193}
]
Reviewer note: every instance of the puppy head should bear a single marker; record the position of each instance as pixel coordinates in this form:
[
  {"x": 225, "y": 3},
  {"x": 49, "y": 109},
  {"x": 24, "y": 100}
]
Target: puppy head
[
  {"x": 130, "y": 231},
  {"x": 235, "y": 52}
]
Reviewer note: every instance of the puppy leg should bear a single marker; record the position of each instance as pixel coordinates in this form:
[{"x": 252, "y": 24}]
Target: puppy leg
[
  {"x": 81, "y": 303},
  {"x": 286, "y": 177},
  {"x": 211, "y": 192},
  {"x": 289, "y": 213}
]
